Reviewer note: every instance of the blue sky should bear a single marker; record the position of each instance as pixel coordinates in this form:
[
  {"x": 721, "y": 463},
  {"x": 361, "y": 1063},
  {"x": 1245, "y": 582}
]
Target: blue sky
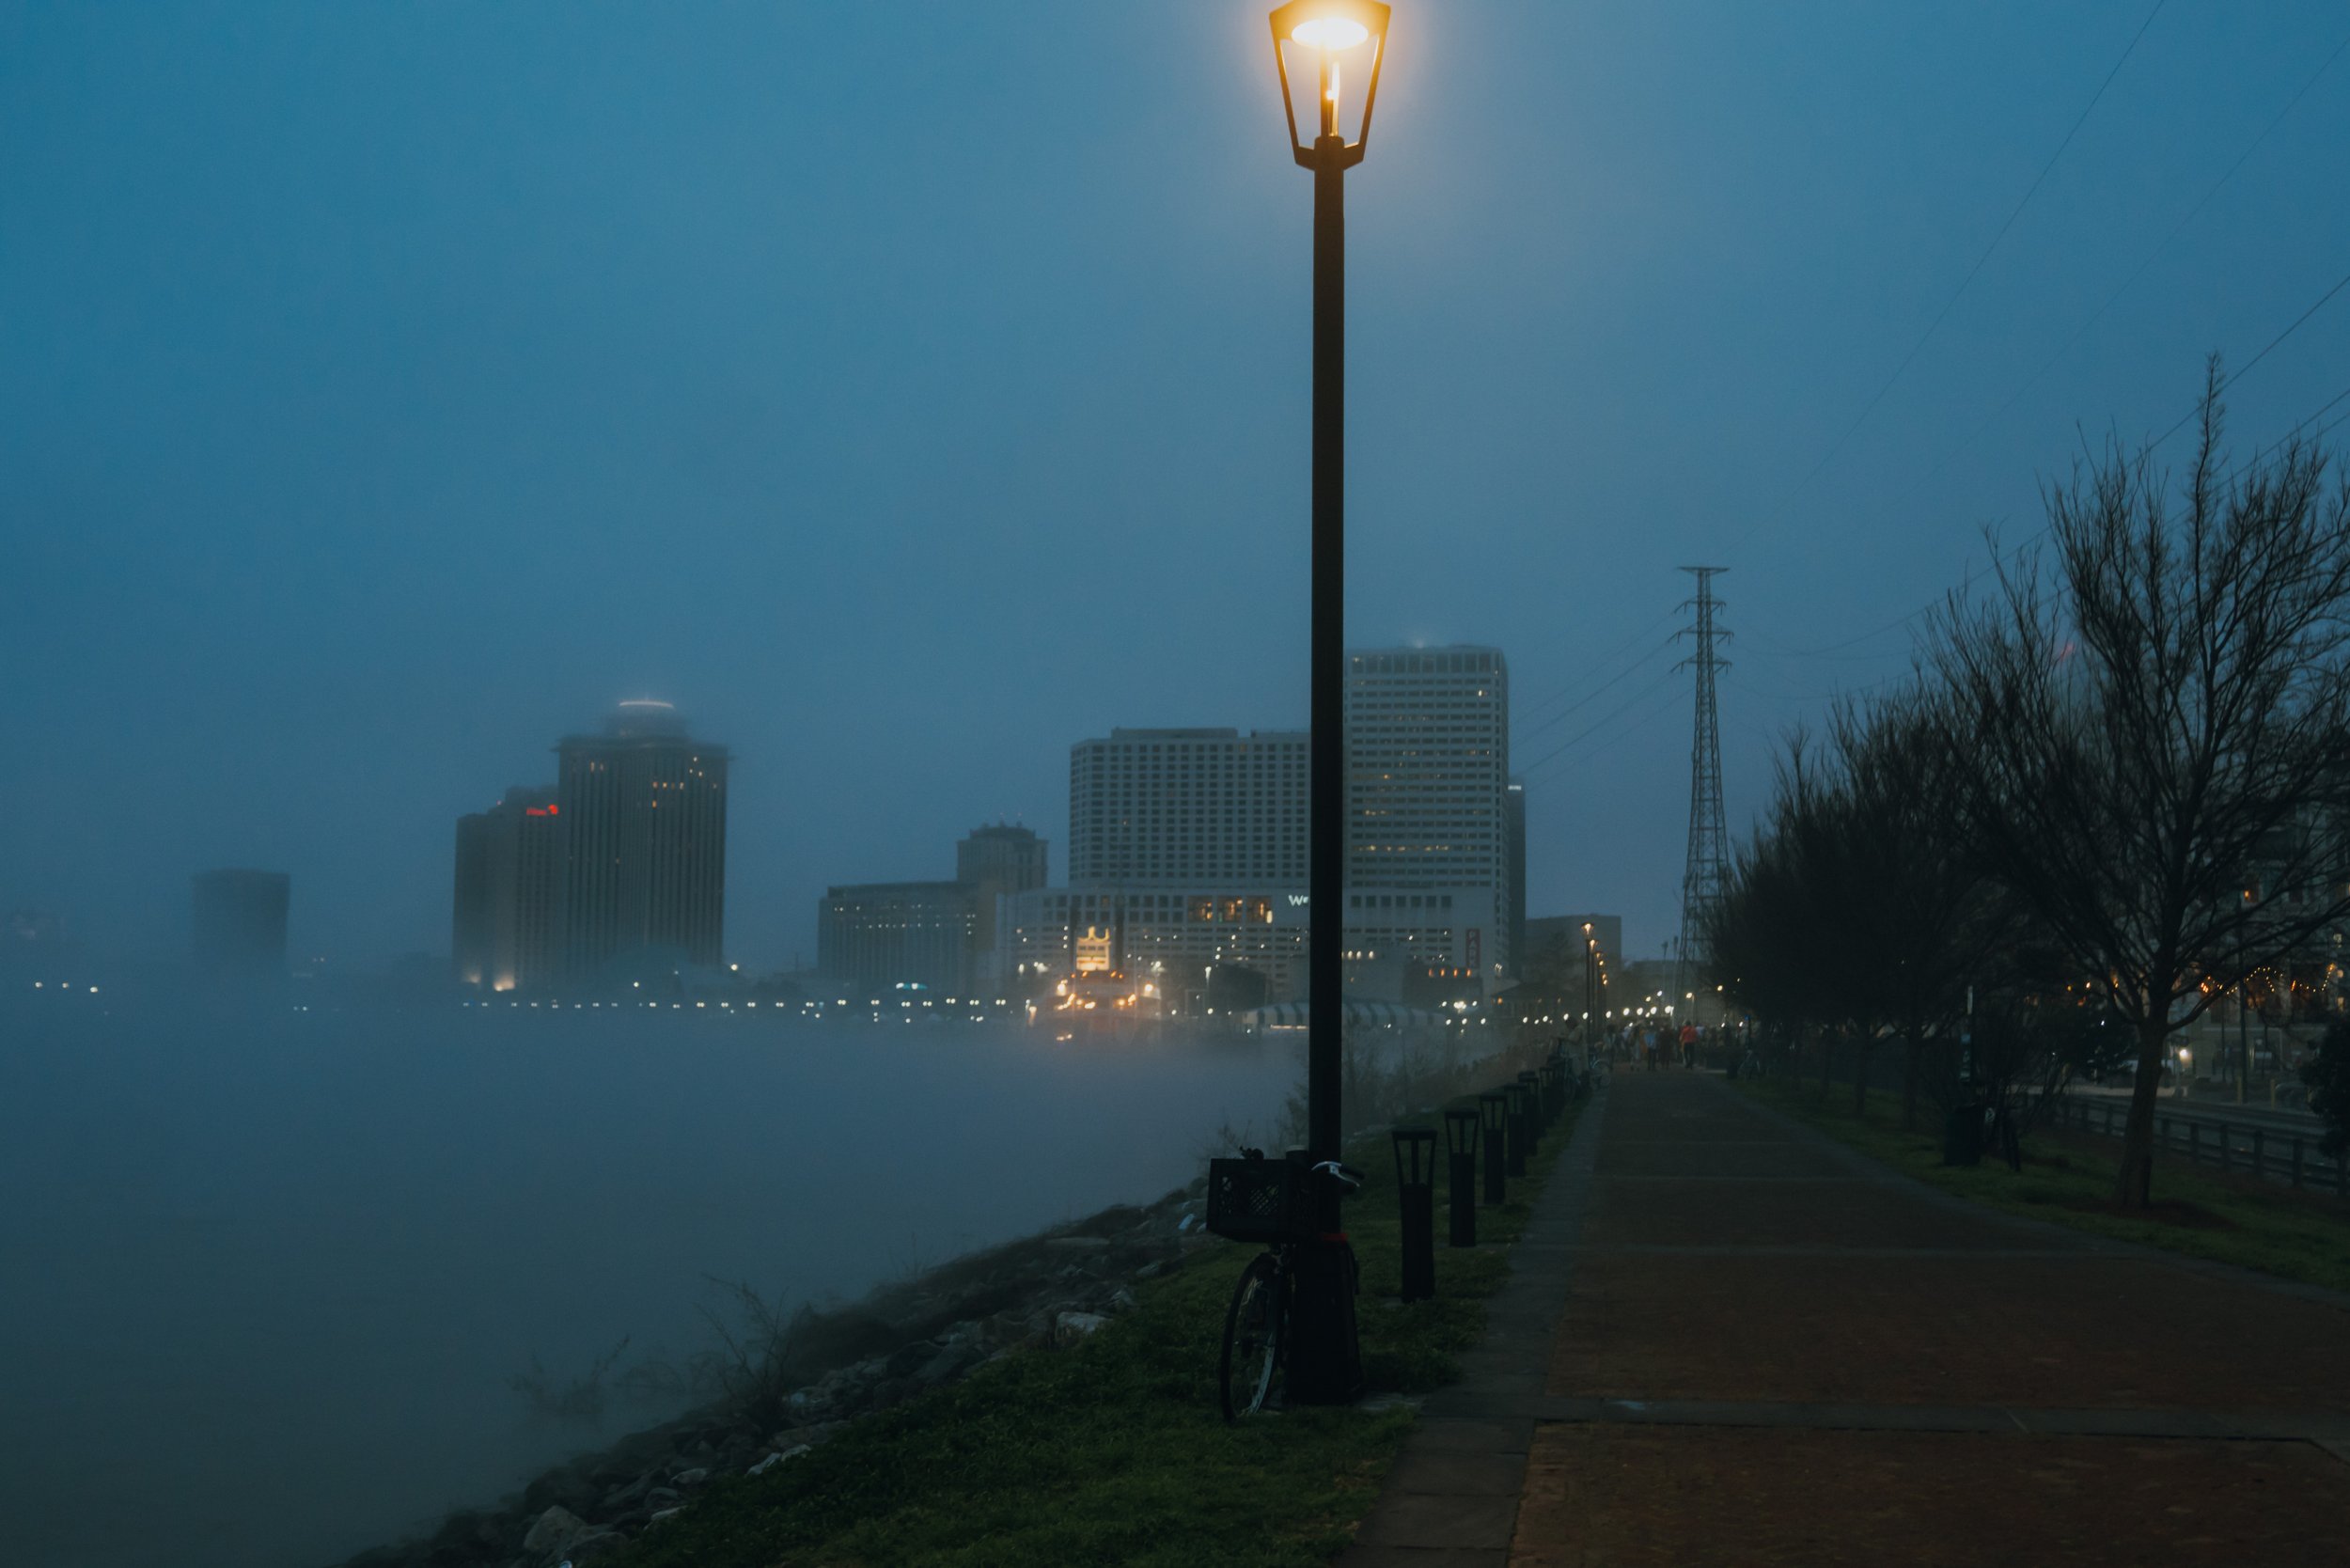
[{"x": 908, "y": 392}]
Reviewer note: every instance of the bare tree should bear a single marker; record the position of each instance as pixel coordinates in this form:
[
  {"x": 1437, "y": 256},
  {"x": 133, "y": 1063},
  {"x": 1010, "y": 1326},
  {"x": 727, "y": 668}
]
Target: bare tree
[
  {"x": 1921, "y": 910},
  {"x": 2146, "y": 713}
]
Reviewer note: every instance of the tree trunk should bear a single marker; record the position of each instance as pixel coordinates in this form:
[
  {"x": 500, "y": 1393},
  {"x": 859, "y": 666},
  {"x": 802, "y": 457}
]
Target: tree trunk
[
  {"x": 2135, "y": 1183},
  {"x": 1866, "y": 1047},
  {"x": 1911, "y": 1066}
]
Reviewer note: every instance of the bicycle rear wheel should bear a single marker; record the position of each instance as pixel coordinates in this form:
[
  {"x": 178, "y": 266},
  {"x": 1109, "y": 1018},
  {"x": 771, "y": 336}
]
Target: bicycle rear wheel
[{"x": 1253, "y": 1327}]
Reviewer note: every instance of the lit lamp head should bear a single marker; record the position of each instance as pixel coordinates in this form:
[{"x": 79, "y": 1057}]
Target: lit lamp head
[{"x": 1330, "y": 40}]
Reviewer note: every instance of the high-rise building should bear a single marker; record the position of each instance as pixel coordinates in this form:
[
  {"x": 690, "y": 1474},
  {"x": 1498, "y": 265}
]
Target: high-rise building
[
  {"x": 1428, "y": 764},
  {"x": 643, "y": 809},
  {"x": 991, "y": 864},
  {"x": 238, "y": 928},
  {"x": 1188, "y": 808},
  {"x": 1513, "y": 866},
  {"x": 877, "y": 936},
  {"x": 1003, "y": 857},
  {"x": 505, "y": 926}
]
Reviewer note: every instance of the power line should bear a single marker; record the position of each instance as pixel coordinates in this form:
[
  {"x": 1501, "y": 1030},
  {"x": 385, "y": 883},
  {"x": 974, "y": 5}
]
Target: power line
[
  {"x": 2343, "y": 283},
  {"x": 1602, "y": 663},
  {"x": 1596, "y": 726},
  {"x": 1951, "y": 304},
  {"x": 2152, "y": 256},
  {"x": 1596, "y": 692}
]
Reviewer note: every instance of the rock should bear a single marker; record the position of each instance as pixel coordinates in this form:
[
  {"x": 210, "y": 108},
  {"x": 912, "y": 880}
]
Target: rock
[
  {"x": 1122, "y": 1299},
  {"x": 782, "y": 1456},
  {"x": 1070, "y": 1327},
  {"x": 550, "y": 1536},
  {"x": 1188, "y": 1221},
  {"x": 566, "y": 1488},
  {"x": 662, "y": 1497},
  {"x": 1150, "y": 1271},
  {"x": 596, "y": 1547},
  {"x": 664, "y": 1513},
  {"x": 947, "y": 1364},
  {"x": 620, "y": 1498},
  {"x": 686, "y": 1480}
]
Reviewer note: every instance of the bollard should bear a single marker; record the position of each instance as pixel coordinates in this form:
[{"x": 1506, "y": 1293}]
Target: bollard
[
  {"x": 1515, "y": 1145},
  {"x": 1460, "y": 1137},
  {"x": 1415, "y": 1192},
  {"x": 1530, "y": 1083},
  {"x": 1495, "y": 1109}
]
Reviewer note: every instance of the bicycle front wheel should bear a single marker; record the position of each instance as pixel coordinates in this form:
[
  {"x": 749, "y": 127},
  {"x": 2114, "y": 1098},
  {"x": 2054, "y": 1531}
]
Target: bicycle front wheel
[{"x": 1253, "y": 1327}]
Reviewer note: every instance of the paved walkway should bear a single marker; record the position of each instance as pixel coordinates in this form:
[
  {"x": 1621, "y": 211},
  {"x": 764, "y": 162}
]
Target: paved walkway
[{"x": 1729, "y": 1341}]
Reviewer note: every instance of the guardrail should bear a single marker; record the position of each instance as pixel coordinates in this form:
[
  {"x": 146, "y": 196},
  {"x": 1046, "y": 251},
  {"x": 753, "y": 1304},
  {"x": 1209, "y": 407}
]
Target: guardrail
[{"x": 2273, "y": 1155}]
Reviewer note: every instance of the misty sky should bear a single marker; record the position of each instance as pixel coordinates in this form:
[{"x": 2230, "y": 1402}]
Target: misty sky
[{"x": 910, "y": 391}]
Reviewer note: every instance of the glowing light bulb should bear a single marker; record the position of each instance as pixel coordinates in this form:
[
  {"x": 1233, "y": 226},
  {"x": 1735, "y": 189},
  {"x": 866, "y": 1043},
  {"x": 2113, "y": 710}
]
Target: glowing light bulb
[{"x": 1329, "y": 32}]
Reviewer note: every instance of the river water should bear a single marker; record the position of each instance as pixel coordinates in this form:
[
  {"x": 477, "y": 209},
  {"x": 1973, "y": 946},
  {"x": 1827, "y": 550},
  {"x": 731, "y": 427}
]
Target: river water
[{"x": 264, "y": 1283}]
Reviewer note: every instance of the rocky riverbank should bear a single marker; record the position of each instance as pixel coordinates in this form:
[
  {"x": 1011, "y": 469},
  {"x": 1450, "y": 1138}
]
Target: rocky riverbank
[{"x": 820, "y": 1373}]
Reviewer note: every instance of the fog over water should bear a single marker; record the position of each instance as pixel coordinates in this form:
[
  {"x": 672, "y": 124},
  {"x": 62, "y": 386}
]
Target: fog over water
[{"x": 266, "y": 1281}]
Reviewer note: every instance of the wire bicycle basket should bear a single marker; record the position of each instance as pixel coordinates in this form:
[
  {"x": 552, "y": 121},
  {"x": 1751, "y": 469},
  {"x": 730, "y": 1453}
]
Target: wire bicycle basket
[{"x": 1258, "y": 1200}]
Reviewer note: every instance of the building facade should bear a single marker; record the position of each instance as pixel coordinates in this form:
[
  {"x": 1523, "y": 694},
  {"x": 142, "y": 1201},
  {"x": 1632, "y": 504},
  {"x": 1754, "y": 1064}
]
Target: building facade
[
  {"x": 643, "y": 809},
  {"x": 877, "y": 936},
  {"x": 506, "y": 924},
  {"x": 1195, "y": 944},
  {"x": 1172, "y": 809},
  {"x": 1428, "y": 785},
  {"x": 1513, "y": 866},
  {"x": 237, "y": 925}
]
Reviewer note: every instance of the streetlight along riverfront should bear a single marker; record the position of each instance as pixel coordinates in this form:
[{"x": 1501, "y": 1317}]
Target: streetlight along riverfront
[{"x": 1331, "y": 37}]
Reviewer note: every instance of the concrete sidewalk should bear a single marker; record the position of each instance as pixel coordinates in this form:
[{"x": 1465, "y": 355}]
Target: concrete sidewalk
[{"x": 1731, "y": 1340}]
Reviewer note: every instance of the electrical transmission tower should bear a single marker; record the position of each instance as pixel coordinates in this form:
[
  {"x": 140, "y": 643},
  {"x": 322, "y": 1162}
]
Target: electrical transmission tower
[{"x": 1707, "y": 876}]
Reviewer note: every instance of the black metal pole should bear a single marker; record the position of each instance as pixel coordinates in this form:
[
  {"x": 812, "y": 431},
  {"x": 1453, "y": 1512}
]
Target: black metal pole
[
  {"x": 1326, "y": 914},
  {"x": 1325, "y": 1358}
]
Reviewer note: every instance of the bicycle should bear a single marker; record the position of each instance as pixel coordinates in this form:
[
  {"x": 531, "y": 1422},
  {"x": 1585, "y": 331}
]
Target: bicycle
[{"x": 1278, "y": 1202}]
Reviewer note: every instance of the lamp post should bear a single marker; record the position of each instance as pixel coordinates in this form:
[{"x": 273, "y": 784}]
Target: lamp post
[{"x": 1332, "y": 37}]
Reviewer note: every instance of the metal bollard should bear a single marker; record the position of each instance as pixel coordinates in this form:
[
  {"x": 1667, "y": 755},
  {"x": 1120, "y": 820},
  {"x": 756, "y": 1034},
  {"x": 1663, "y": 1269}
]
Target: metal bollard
[
  {"x": 1495, "y": 1108},
  {"x": 1460, "y": 1137},
  {"x": 1531, "y": 1083},
  {"x": 1416, "y": 1191},
  {"x": 1514, "y": 1144}
]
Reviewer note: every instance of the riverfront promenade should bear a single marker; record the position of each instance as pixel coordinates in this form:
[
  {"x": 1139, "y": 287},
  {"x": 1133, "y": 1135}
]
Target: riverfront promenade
[{"x": 1729, "y": 1341}]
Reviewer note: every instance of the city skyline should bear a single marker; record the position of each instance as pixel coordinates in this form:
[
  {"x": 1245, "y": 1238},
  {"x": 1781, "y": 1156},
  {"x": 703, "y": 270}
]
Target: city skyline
[{"x": 453, "y": 381}]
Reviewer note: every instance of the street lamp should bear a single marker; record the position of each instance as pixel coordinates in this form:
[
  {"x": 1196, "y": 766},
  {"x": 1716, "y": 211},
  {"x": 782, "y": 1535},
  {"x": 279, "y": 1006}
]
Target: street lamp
[{"x": 1336, "y": 38}]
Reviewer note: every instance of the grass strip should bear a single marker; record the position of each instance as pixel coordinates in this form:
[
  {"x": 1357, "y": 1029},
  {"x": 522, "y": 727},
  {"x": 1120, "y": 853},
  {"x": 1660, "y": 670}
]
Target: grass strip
[
  {"x": 1113, "y": 1451},
  {"x": 2068, "y": 1178}
]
